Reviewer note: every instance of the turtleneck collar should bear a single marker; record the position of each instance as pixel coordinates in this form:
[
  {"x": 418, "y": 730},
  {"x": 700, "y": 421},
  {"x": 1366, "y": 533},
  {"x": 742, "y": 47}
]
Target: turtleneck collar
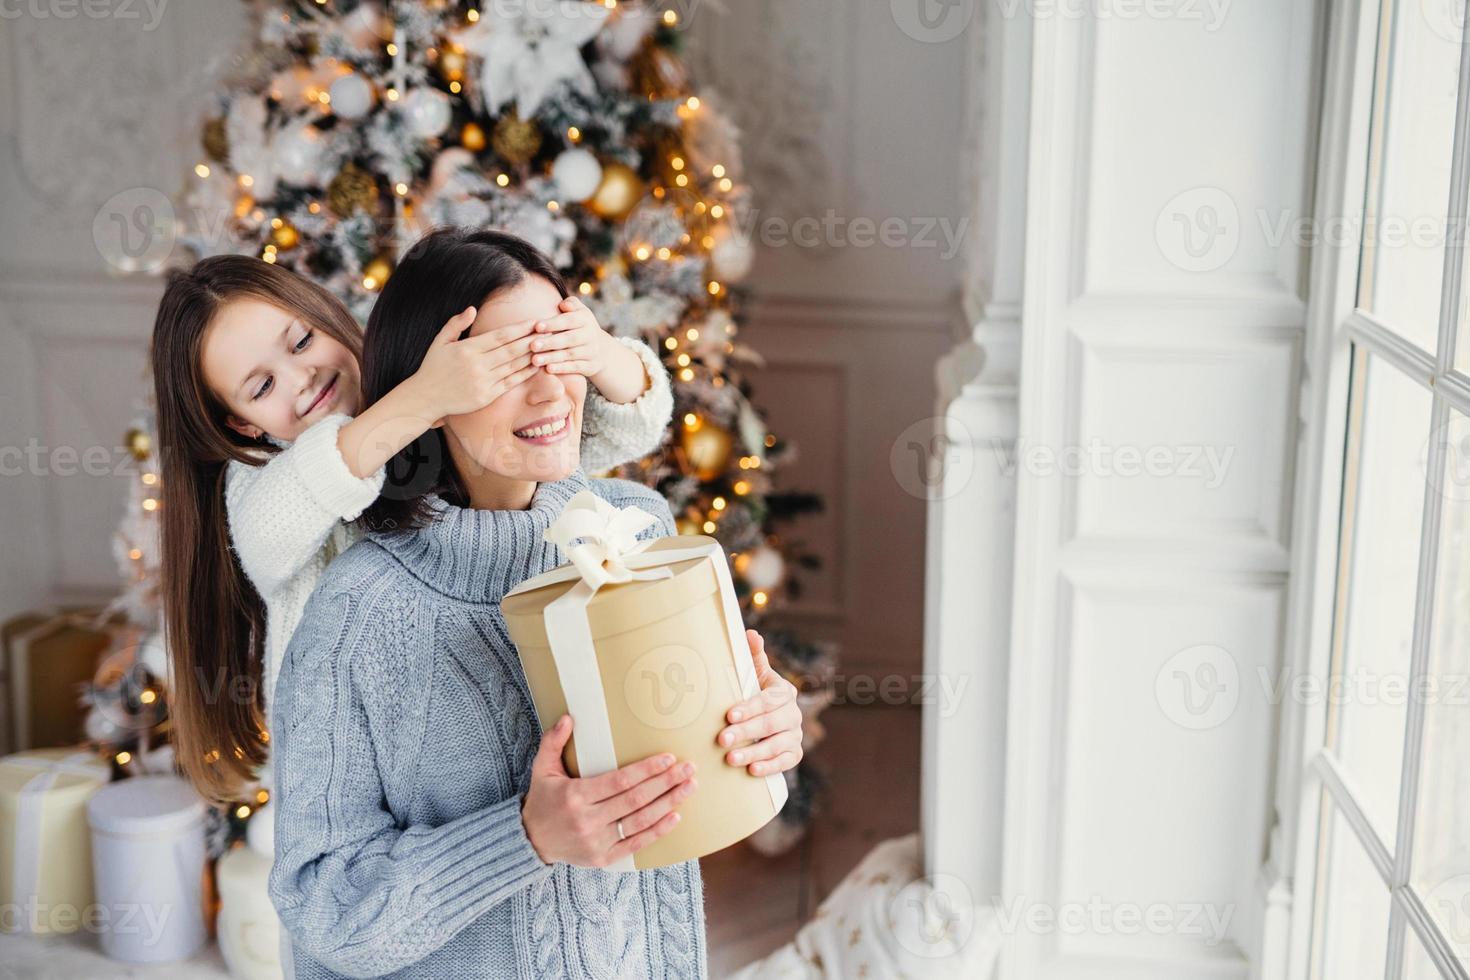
[{"x": 480, "y": 555}]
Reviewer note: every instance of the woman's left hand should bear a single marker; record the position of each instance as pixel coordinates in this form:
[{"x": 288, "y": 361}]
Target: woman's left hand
[{"x": 771, "y": 719}]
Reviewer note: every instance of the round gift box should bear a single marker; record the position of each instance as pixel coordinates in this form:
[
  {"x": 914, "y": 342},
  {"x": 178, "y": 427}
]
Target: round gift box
[
  {"x": 45, "y": 846},
  {"x": 148, "y": 857},
  {"x": 668, "y": 675},
  {"x": 249, "y": 932}
]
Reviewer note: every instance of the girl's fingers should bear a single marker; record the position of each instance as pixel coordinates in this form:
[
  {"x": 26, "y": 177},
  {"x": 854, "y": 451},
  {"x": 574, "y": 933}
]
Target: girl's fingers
[
  {"x": 456, "y": 325},
  {"x": 572, "y": 319},
  {"x": 545, "y": 357},
  {"x": 517, "y": 375},
  {"x": 588, "y": 368},
  {"x": 491, "y": 339},
  {"x": 511, "y": 352},
  {"x": 567, "y": 340}
]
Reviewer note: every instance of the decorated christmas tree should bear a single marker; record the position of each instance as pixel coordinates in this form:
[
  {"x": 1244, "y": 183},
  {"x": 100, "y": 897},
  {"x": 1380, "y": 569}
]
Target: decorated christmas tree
[{"x": 349, "y": 129}]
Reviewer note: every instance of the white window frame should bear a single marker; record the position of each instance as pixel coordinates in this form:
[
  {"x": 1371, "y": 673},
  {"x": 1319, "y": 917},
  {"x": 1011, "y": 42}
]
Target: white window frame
[{"x": 1334, "y": 327}]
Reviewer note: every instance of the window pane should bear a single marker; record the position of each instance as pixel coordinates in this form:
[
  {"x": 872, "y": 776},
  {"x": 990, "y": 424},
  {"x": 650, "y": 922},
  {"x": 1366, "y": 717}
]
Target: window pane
[
  {"x": 1409, "y": 182},
  {"x": 1383, "y": 503},
  {"x": 1354, "y": 904},
  {"x": 1441, "y": 864},
  {"x": 1417, "y": 964}
]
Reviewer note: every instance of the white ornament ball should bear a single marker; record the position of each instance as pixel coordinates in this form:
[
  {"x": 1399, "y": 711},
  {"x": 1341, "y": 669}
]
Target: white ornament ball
[
  {"x": 446, "y": 166},
  {"x": 297, "y": 152},
  {"x": 153, "y": 654},
  {"x": 426, "y": 112},
  {"x": 260, "y": 832},
  {"x": 577, "y": 174},
  {"x": 99, "y": 727},
  {"x": 352, "y": 96},
  {"x": 765, "y": 569},
  {"x": 732, "y": 256},
  {"x": 364, "y": 26}
]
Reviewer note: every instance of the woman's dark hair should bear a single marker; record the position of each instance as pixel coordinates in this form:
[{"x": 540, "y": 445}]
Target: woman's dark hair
[
  {"x": 213, "y": 618},
  {"x": 444, "y": 272}
]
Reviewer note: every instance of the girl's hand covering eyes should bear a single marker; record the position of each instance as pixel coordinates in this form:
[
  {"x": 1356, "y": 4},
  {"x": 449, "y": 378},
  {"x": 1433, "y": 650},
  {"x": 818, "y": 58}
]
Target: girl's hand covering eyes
[
  {"x": 572, "y": 342},
  {"x": 459, "y": 376}
]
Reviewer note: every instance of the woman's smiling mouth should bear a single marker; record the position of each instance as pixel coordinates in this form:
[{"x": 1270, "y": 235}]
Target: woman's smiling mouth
[{"x": 545, "y": 431}]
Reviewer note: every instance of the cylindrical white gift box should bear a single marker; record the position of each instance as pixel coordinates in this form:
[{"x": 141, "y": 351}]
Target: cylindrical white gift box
[
  {"x": 249, "y": 932},
  {"x": 148, "y": 857}
]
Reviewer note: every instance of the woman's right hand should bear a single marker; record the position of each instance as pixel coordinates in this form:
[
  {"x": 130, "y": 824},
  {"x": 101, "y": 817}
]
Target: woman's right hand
[
  {"x": 460, "y": 376},
  {"x": 575, "y": 820}
]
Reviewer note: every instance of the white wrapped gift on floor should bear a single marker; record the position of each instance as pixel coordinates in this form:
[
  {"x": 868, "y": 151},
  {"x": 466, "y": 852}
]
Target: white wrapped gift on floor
[
  {"x": 248, "y": 929},
  {"x": 148, "y": 855},
  {"x": 45, "y": 846}
]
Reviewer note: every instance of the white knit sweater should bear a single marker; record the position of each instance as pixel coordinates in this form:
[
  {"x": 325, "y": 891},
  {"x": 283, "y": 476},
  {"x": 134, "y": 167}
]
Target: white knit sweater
[{"x": 291, "y": 516}]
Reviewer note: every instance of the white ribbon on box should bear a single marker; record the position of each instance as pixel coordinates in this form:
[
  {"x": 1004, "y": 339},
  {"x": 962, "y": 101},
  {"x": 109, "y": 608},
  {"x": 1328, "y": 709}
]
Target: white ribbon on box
[
  {"x": 611, "y": 552},
  {"x": 25, "y": 880}
]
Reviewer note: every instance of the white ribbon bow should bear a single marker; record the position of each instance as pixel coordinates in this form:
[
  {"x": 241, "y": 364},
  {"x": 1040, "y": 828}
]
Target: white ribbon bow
[{"x": 609, "y": 535}]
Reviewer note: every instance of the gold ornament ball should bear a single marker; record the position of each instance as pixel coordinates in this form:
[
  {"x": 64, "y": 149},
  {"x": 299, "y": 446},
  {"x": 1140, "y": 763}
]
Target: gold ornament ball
[
  {"x": 352, "y": 190},
  {"x": 377, "y": 272},
  {"x": 140, "y": 444},
  {"x": 285, "y": 237},
  {"x": 451, "y": 65},
  {"x": 216, "y": 140},
  {"x": 515, "y": 140},
  {"x": 687, "y": 526},
  {"x": 472, "y": 137},
  {"x": 657, "y": 72},
  {"x": 620, "y": 190},
  {"x": 707, "y": 447}
]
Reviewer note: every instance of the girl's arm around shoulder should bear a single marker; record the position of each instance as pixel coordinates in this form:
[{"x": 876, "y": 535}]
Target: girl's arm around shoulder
[
  {"x": 613, "y": 433},
  {"x": 356, "y": 890},
  {"x": 281, "y": 513}
]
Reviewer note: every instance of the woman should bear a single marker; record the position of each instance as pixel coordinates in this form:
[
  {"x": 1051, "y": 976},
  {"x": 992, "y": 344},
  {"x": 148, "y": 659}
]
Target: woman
[{"x": 426, "y": 826}]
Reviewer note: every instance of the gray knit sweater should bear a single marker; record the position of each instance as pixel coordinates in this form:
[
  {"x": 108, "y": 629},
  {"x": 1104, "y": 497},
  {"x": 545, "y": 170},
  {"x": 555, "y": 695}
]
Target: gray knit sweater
[{"x": 404, "y": 734}]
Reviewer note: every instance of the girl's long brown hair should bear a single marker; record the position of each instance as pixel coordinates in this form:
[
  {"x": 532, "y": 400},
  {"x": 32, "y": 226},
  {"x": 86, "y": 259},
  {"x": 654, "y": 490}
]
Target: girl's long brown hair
[{"x": 214, "y": 620}]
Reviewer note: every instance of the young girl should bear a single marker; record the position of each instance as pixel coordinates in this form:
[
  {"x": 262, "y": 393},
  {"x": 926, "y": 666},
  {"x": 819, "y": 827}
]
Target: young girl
[
  {"x": 425, "y": 824},
  {"x": 257, "y": 384}
]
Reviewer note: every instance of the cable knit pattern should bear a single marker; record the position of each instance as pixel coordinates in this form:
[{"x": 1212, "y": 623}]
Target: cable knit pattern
[
  {"x": 291, "y": 516},
  {"x": 404, "y": 738}
]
